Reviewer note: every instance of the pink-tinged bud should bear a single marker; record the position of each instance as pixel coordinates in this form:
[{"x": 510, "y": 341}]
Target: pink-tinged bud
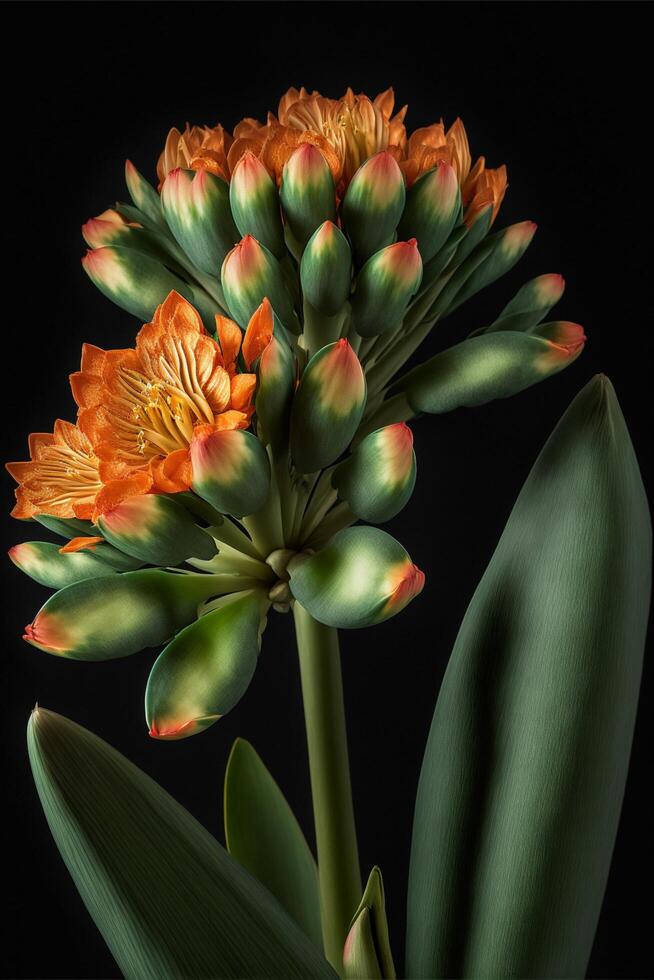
[
  {"x": 327, "y": 407},
  {"x": 255, "y": 204},
  {"x": 49, "y": 565},
  {"x": 109, "y": 228},
  {"x": 530, "y": 305},
  {"x": 326, "y": 269},
  {"x": 377, "y": 480},
  {"x": 155, "y": 529},
  {"x": 250, "y": 273},
  {"x": 373, "y": 204},
  {"x": 307, "y": 192},
  {"x": 196, "y": 208},
  {"x": 143, "y": 195},
  {"x": 231, "y": 470},
  {"x": 432, "y": 210},
  {"x": 385, "y": 286},
  {"x": 131, "y": 279}
]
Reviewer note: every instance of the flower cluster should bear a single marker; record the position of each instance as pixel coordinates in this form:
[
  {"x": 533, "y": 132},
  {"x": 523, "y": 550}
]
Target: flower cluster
[{"x": 216, "y": 470}]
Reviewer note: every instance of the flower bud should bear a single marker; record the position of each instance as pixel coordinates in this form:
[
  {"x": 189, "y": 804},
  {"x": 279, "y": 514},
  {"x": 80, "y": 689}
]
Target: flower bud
[
  {"x": 367, "y": 950},
  {"x": 132, "y": 280},
  {"x": 530, "y": 304},
  {"x": 326, "y": 269},
  {"x": 231, "y": 470},
  {"x": 143, "y": 195},
  {"x": 377, "y": 480},
  {"x": 373, "y": 204},
  {"x": 155, "y": 529},
  {"x": 384, "y": 288},
  {"x": 432, "y": 209},
  {"x": 116, "y": 615},
  {"x": 44, "y": 562},
  {"x": 307, "y": 192},
  {"x": 361, "y": 577},
  {"x": 251, "y": 273},
  {"x": 255, "y": 205},
  {"x": 490, "y": 366},
  {"x": 205, "y": 670},
  {"x": 196, "y": 206},
  {"x": 274, "y": 396},
  {"x": 327, "y": 407}
]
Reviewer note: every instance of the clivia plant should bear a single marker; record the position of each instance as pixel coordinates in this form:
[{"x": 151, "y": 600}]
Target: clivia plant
[{"x": 235, "y": 463}]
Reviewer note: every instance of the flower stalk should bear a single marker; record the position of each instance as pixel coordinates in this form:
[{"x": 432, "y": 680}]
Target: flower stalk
[{"x": 336, "y": 842}]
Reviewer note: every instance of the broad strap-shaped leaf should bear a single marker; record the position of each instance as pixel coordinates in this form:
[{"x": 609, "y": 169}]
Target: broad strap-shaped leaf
[
  {"x": 525, "y": 765},
  {"x": 263, "y": 835},
  {"x": 167, "y": 898},
  {"x": 361, "y": 577},
  {"x": 367, "y": 952}
]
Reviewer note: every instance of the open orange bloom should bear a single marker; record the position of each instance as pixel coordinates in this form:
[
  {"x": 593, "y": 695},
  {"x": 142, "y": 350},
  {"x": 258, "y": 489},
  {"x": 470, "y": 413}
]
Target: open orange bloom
[
  {"x": 61, "y": 478},
  {"x": 139, "y": 407},
  {"x": 347, "y": 131}
]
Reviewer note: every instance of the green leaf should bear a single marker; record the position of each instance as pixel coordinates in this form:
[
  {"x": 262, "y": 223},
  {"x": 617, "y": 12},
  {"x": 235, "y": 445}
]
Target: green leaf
[
  {"x": 264, "y": 836},
  {"x": 525, "y": 765},
  {"x": 362, "y": 577},
  {"x": 367, "y": 952},
  {"x": 167, "y": 898}
]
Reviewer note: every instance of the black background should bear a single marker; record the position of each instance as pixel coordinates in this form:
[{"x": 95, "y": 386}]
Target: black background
[{"x": 558, "y": 93}]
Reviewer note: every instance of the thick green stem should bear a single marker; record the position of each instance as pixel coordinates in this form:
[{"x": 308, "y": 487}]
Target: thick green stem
[{"x": 324, "y": 713}]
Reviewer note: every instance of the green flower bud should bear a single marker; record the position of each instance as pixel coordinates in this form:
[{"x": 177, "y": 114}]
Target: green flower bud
[
  {"x": 250, "y": 273},
  {"x": 277, "y": 371},
  {"x": 231, "y": 470},
  {"x": 377, "y": 480},
  {"x": 206, "y": 669},
  {"x": 384, "y": 288},
  {"x": 196, "y": 206},
  {"x": 133, "y": 280},
  {"x": 326, "y": 269},
  {"x": 255, "y": 204},
  {"x": 373, "y": 204},
  {"x": 530, "y": 304},
  {"x": 143, "y": 195},
  {"x": 367, "y": 950},
  {"x": 155, "y": 529},
  {"x": 307, "y": 192},
  {"x": 432, "y": 209},
  {"x": 43, "y": 562},
  {"x": 327, "y": 407},
  {"x": 362, "y": 577}
]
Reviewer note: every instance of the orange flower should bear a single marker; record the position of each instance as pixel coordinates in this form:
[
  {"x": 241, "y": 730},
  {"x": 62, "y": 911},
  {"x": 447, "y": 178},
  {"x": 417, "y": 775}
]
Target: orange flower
[
  {"x": 61, "y": 478},
  {"x": 139, "y": 407},
  {"x": 347, "y": 131}
]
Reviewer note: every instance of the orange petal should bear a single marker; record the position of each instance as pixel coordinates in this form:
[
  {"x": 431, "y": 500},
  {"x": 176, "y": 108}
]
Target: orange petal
[
  {"x": 87, "y": 389},
  {"x": 243, "y": 388},
  {"x": 229, "y": 337},
  {"x": 172, "y": 474},
  {"x": 38, "y": 441},
  {"x": 258, "y": 333},
  {"x": 19, "y": 471},
  {"x": 232, "y": 420},
  {"x": 116, "y": 491},
  {"x": 92, "y": 359},
  {"x": 80, "y": 544}
]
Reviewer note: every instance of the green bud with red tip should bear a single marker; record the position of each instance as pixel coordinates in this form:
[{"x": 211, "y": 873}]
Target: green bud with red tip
[
  {"x": 384, "y": 288},
  {"x": 490, "y": 366},
  {"x": 196, "y": 207},
  {"x": 432, "y": 209},
  {"x": 143, "y": 195},
  {"x": 326, "y": 269},
  {"x": 117, "y": 615},
  {"x": 44, "y": 562},
  {"x": 206, "y": 669},
  {"x": 530, "y": 304},
  {"x": 373, "y": 204},
  {"x": 133, "y": 280},
  {"x": 254, "y": 200},
  {"x": 276, "y": 384},
  {"x": 377, "y": 480},
  {"x": 155, "y": 529},
  {"x": 367, "y": 951},
  {"x": 361, "y": 577},
  {"x": 327, "y": 407},
  {"x": 250, "y": 273},
  {"x": 231, "y": 470},
  {"x": 307, "y": 192}
]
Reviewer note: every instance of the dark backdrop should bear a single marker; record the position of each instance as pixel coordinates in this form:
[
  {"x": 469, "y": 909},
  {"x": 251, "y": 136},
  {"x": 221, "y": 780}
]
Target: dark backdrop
[{"x": 543, "y": 88}]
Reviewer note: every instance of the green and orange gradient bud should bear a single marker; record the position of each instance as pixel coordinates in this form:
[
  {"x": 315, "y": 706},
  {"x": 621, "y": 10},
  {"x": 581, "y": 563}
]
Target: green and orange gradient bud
[
  {"x": 249, "y": 274},
  {"x": 131, "y": 279},
  {"x": 49, "y": 565},
  {"x": 196, "y": 207},
  {"x": 231, "y": 470},
  {"x": 277, "y": 372},
  {"x": 377, "y": 480},
  {"x": 206, "y": 669},
  {"x": 327, "y": 407},
  {"x": 307, "y": 192},
  {"x": 432, "y": 209},
  {"x": 490, "y": 366},
  {"x": 326, "y": 269},
  {"x": 361, "y": 577},
  {"x": 530, "y": 304},
  {"x": 385, "y": 286},
  {"x": 254, "y": 200},
  {"x": 373, "y": 204},
  {"x": 117, "y": 615}
]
